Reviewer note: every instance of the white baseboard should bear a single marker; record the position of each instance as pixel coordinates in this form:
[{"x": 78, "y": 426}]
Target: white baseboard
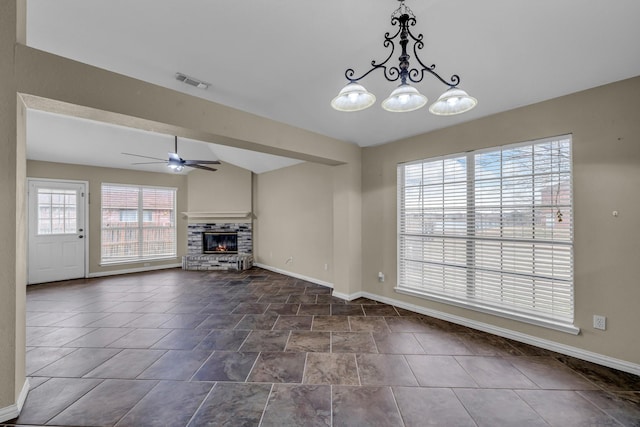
[
  {"x": 578, "y": 353},
  {"x": 133, "y": 270},
  {"x": 13, "y": 411},
  {"x": 348, "y": 297},
  {"x": 297, "y": 276}
]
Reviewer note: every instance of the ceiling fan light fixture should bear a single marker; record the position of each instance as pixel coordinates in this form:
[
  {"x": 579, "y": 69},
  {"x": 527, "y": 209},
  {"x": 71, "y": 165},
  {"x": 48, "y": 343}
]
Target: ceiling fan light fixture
[
  {"x": 177, "y": 163},
  {"x": 176, "y": 167}
]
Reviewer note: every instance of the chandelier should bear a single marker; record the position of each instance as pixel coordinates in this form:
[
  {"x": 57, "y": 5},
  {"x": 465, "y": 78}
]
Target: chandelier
[{"x": 354, "y": 97}]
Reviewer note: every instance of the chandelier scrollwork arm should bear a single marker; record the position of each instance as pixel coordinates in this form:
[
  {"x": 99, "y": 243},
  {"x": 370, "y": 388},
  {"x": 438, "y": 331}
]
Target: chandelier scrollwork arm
[
  {"x": 415, "y": 74},
  {"x": 391, "y": 74}
]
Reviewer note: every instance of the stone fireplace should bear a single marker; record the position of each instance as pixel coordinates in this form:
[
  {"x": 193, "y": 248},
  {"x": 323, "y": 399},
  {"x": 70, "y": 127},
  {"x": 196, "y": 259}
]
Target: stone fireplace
[{"x": 219, "y": 246}]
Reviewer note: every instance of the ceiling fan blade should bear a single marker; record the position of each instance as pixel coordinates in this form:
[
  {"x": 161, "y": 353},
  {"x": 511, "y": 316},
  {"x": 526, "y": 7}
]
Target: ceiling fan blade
[
  {"x": 138, "y": 155},
  {"x": 150, "y": 163},
  {"x": 206, "y": 168},
  {"x": 202, "y": 162}
]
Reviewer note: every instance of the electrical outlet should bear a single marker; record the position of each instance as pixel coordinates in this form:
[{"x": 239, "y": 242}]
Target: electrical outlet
[
  {"x": 380, "y": 277},
  {"x": 326, "y": 267},
  {"x": 599, "y": 322}
]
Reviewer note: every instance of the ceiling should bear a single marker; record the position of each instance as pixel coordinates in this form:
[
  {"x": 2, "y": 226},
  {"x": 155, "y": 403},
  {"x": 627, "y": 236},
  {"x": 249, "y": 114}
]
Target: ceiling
[
  {"x": 64, "y": 139},
  {"x": 285, "y": 59}
]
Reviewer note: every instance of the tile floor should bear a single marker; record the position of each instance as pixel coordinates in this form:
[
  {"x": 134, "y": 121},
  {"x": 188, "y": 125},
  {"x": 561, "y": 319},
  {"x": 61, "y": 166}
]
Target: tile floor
[{"x": 180, "y": 348}]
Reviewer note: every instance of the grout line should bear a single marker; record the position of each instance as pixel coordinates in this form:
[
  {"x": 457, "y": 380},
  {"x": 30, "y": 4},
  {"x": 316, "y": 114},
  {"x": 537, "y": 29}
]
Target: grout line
[
  {"x": 464, "y": 406},
  {"x": 138, "y": 402},
  {"x": 331, "y": 405},
  {"x": 404, "y": 356},
  {"x": 288, "y": 339},
  {"x": 266, "y": 404},
  {"x": 606, "y": 411},
  {"x": 455, "y": 357},
  {"x": 71, "y": 403},
  {"x": 255, "y": 362},
  {"x": 245, "y": 339},
  {"x": 202, "y": 403},
  {"x": 304, "y": 368},
  {"x": 199, "y": 367},
  {"x": 393, "y": 395},
  {"x": 357, "y": 369},
  {"x": 515, "y": 391}
]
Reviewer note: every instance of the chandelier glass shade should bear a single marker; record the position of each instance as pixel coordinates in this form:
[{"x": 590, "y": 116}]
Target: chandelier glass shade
[
  {"x": 353, "y": 97},
  {"x": 453, "y": 101},
  {"x": 405, "y": 97}
]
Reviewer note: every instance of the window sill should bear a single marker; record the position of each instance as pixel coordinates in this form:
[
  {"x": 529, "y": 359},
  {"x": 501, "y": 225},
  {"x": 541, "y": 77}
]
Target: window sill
[
  {"x": 138, "y": 261},
  {"x": 545, "y": 323}
]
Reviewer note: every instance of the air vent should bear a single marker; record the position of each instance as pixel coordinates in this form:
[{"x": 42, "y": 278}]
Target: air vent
[{"x": 192, "y": 81}]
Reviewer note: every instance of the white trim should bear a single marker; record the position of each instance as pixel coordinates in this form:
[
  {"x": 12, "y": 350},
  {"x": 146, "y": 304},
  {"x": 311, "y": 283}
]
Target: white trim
[
  {"x": 562, "y": 327},
  {"x": 297, "y": 276},
  {"x": 22, "y": 397},
  {"x": 133, "y": 270},
  {"x": 552, "y": 308},
  {"x": 87, "y": 196},
  {"x": 207, "y": 215},
  {"x": 576, "y": 352},
  {"x": 137, "y": 261},
  {"x": 117, "y": 184},
  {"x": 13, "y": 411},
  {"x": 348, "y": 297},
  {"x": 497, "y": 147},
  {"x": 140, "y": 221}
]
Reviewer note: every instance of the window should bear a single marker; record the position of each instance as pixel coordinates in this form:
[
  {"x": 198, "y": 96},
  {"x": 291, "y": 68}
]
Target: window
[
  {"x": 491, "y": 230},
  {"x": 56, "y": 211},
  {"x": 138, "y": 223},
  {"x": 131, "y": 215}
]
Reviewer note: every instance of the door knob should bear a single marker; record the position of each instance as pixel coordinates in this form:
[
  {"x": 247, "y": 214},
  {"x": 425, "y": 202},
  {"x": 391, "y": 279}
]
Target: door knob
[{"x": 80, "y": 237}]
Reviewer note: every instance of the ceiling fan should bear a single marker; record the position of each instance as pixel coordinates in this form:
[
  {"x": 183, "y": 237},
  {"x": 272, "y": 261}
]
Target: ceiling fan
[{"x": 177, "y": 163}]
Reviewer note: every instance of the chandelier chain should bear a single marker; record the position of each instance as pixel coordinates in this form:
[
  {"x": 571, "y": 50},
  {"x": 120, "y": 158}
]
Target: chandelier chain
[{"x": 403, "y": 9}]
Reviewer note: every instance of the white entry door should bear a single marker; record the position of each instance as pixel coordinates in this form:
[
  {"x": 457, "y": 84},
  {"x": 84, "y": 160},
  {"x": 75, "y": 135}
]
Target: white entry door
[{"x": 57, "y": 232}]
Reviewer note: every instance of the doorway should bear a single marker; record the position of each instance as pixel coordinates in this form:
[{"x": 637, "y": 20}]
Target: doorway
[{"x": 57, "y": 230}]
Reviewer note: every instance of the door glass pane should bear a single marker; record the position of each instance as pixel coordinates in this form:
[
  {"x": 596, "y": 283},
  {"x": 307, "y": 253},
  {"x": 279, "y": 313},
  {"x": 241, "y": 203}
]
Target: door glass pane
[{"x": 56, "y": 211}]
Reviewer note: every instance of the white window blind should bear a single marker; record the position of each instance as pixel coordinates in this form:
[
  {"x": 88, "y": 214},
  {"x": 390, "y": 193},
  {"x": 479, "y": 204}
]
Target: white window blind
[
  {"x": 491, "y": 230},
  {"x": 138, "y": 223}
]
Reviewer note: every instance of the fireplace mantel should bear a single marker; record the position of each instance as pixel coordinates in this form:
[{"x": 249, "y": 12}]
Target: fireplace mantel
[{"x": 217, "y": 215}]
